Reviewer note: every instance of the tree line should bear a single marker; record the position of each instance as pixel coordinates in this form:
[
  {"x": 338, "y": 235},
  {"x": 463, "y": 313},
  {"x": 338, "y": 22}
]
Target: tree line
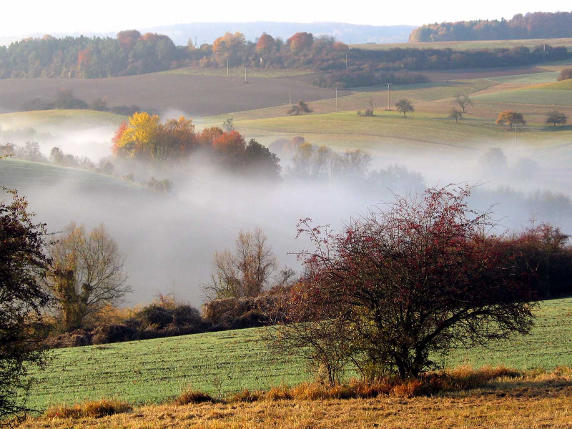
[
  {"x": 133, "y": 53},
  {"x": 538, "y": 25}
]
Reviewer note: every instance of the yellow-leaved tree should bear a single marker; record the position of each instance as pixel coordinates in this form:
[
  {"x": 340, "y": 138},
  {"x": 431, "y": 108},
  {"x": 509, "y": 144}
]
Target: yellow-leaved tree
[{"x": 139, "y": 137}]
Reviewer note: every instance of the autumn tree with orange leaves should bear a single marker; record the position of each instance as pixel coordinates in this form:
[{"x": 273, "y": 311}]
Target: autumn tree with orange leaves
[
  {"x": 265, "y": 44},
  {"x": 300, "y": 41},
  {"x": 145, "y": 137}
]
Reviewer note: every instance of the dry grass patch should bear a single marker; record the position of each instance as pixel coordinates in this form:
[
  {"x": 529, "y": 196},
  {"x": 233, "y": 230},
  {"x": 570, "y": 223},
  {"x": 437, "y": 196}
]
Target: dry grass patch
[
  {"x": 490, "y": 397},
  {"x": 193, "y": 397},
  {"x": 91, "y": 409}
]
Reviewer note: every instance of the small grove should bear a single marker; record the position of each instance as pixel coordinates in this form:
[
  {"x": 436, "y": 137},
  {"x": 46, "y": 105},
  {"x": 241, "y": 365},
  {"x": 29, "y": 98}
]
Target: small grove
[{"x": 144, "y": 137}]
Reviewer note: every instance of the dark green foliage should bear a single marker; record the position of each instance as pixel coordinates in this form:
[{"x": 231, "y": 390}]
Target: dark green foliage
[
  {"x": 360, "y": 78},
  {"x": 556, "y": 118},
  {"x": 544, "y": 250},
  {"x": 87, "y": 57},
  {"x": 244, "y": 312},
  {"x": 539, "y": 25},
  {"x": 167, "y": 318},
  {"x": 23, "y": 265}
]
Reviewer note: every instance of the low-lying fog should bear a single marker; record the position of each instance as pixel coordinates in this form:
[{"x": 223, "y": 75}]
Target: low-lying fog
[{"x": 169, "y": 239}]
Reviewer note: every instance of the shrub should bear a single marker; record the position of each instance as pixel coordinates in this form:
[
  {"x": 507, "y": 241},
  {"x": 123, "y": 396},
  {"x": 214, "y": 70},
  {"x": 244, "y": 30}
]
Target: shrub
[
  {"x": 403, "y": 283},
  {"x": 246, "y": 396},
  {"x": 193, "y": 397},
  {"x": 245, "y": 312},
  {"x": 565, "y": 74},
  {"x": 112, "y": 334}
]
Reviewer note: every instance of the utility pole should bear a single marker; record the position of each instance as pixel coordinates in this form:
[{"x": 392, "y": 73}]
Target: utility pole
[
  {"x": 336, "y": 98},
  {"x": 515, "y": 134},
  {"x": 388, "y": 96},
  {"x": 347, "y": 63},
  {"x": 227, "y": 67},
  {"x": 245, "y": 75}
]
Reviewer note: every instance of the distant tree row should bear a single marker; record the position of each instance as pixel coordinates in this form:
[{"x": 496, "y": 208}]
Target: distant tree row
[
  {"x": 65, "y": 99},
  {"x": 146, "y": 138},
  {"x": 132, "y": 53},
  {"x": 538, "y": 25},
  {"x": 443, "y": 59},
  {"x": 84, "y": 57}
]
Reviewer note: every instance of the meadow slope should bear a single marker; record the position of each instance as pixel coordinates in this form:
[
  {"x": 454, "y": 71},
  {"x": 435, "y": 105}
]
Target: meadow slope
[{"x": 153, "y": 371}]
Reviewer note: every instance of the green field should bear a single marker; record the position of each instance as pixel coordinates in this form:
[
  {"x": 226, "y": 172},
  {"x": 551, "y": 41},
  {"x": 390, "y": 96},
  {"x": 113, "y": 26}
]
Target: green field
[
  {"x": 552, "y": 95},
  {"x": 389, "y": 131},
  {"x": 472, "y": 44},
  {"x": 19, "y": 174},
  {"x": 48, "y": 119},
  {"x": 155, "y": 370}
]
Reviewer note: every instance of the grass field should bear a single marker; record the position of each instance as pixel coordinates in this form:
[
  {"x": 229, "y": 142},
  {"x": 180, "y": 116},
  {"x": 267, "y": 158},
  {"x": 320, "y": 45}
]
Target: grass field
[
  {"x": 46, "y": 120},
  {"x": 153, "y": 371},
  {"x": 472, "y": 44},
  {"x": 24, "y": 175},
  {"x": 532, "y": 401},
  {"x": 389, "y": 131}
]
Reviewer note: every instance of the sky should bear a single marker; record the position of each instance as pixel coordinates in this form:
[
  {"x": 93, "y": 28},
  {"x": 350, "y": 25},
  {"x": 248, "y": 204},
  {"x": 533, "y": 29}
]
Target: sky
[{"x": 75, "y": 16}]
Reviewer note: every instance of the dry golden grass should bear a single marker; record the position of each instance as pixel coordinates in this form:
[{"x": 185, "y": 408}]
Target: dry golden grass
[
  {"x": 505, "y": 398},
  {"x": 91, "y": 409}
]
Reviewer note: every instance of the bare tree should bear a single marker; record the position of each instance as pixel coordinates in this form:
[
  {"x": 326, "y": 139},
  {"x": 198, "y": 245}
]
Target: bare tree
[
  {"x": 463, "y": 101},
  {"x": 455, "y": 114},
  {"x": 86, "y": 274},
  {"x": 245, "y": 272}
]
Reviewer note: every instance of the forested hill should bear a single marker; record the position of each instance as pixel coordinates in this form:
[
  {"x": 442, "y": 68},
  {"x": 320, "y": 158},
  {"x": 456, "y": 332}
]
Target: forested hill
[
  {"x": 89, "y": 57},
  {"x": 132, "y": 53},
  {"x": 538, "y": 25}
]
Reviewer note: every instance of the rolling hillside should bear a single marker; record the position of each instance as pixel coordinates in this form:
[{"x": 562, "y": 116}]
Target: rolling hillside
[{"x": 153, "y": 371}]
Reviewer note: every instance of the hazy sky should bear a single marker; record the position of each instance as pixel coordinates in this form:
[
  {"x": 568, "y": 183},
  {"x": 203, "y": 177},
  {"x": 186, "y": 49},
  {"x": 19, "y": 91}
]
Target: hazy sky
[{"x": 60, "y": 16}]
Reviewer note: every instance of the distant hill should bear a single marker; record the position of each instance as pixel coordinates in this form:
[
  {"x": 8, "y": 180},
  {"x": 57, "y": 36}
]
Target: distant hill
[
  {"x": 537, "y": 25},
  {"x": 347, "y": 33}
]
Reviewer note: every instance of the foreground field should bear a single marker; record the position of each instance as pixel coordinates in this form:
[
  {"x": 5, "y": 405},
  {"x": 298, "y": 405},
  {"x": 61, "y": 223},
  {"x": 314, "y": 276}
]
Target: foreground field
[
  {"x": 533, "y": 401},
  {"x": 219, "y": 363}
]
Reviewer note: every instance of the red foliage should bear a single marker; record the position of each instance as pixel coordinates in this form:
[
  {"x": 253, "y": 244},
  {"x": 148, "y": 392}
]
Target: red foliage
[
  {"x": 265, "y": 43},
  {"x": 209, "y": 135},
  {"x": 231, "y": 141},
  {"x": 412, "y": 280},
  {"x": 127, "y": 39},
  {"x": 117, "y": 138},
  {"x": 300, "y": 41},
  {"x": 83, "y": 58}
]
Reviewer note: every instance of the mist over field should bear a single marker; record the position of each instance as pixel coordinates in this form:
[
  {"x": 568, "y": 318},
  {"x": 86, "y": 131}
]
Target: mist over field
[{"x": 169, "y": 239}]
